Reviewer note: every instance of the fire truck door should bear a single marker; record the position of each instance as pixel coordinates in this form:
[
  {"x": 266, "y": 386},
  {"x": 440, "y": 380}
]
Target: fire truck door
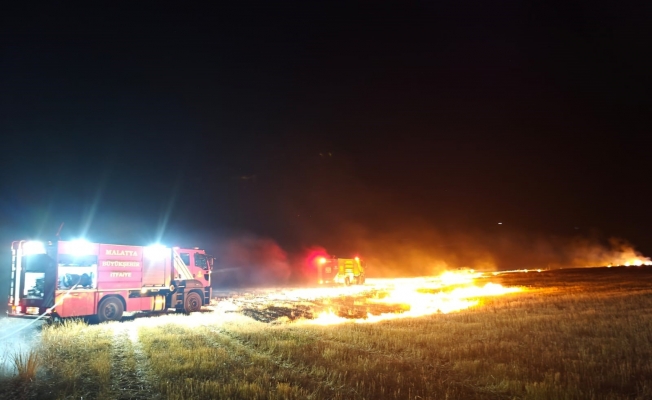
[{"x": 38, "y": 278}]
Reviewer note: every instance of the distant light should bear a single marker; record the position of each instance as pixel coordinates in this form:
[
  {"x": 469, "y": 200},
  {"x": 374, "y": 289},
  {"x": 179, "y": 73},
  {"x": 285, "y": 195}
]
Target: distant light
[
  {"x": 357, "y": 258},
  {"x": 81, "y": 247},
  {"x": 33, "y": 247},
  {"x": 155, "y": 251},
  {"x": 500, "y": 223}
]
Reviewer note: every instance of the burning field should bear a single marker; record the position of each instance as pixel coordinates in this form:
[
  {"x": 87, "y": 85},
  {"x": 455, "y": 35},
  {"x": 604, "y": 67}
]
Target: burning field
[
  {"x": 377, "y": 300},
  {"x": 573, "y": 334}
]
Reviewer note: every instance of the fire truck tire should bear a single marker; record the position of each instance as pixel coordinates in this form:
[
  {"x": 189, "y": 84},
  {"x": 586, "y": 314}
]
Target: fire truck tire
[
  {"x": 110, "y": 309},
  {"x": 192, "y": 303}
]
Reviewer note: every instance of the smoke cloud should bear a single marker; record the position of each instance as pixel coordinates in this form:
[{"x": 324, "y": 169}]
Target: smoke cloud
[
  {"x": 425, "y": 251},
  {"x": 248, "y": 260},
  {"x": 584, "y": 252},
  {"x": 418, "y": 252}
]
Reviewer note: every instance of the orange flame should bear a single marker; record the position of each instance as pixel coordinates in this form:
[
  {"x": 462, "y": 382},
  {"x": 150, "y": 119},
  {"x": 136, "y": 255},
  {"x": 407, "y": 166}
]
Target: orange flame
[
  {"x": 450, "y": 292},
  {"x": 638, "y": 262}
]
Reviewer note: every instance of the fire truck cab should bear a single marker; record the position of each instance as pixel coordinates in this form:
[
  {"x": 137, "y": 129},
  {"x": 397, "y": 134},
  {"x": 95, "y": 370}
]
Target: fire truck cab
[
  {"x": 82, "y": 279},
  {"x": 346, "y": 271}
]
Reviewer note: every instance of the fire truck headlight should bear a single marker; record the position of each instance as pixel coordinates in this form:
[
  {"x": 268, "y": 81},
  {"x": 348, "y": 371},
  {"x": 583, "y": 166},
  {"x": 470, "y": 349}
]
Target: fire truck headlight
[
  {"x": 155, "y": 251},
  {"x": 322, "y": 260},
  {"x": 81, "y": 247},
  {"x": 357, "y": 258},
  {"x": 33, "y": 247}
]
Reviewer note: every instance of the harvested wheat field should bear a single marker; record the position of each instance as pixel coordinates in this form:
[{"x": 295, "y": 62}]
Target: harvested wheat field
[{"x": 564, "y": 334}]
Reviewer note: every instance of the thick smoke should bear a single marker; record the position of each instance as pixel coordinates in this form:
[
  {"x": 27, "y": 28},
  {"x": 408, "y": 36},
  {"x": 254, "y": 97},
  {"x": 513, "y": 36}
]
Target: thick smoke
[
  {"x": 251, "y": 261},
  {"x": 584, "y": 252},
  {"x": 413, "y": 232},
  {"x": 248, "y": 260},
  {"x": 304, "y": 264},
  {"x": 419, "y": 251}
]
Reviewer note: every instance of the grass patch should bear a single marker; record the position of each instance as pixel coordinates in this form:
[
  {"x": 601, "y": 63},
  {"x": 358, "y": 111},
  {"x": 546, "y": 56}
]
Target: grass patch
[
  {"x": 77, "y": 360},
  {"x": 26, "y": 365},
  {"x": 574, "y": 335},
  {"x": 195, "y": 363}
]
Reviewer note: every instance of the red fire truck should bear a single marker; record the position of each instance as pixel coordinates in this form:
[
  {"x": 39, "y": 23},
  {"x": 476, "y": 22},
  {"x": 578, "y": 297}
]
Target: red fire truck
[{"x": 82, "y": 279}]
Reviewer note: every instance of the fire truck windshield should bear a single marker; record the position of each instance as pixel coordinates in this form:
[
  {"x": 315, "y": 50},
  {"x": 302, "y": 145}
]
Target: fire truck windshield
[{"x": 201, "y": 261}]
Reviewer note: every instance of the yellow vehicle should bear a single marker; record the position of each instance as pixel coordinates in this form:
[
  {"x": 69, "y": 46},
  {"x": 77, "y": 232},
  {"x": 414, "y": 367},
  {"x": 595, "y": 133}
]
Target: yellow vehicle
[{"x": 346, "y": 271}]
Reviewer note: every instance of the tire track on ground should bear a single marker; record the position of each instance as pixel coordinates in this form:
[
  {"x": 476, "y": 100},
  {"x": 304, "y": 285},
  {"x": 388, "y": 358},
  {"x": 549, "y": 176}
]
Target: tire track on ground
[
  {"x": 129, "y": 370},
  {"x": 301, "y": 368},
  {"x": 299, "y": 372}
]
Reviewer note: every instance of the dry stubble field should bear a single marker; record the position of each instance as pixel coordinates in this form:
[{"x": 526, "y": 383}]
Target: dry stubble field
[{"x": 574, "y": 334}]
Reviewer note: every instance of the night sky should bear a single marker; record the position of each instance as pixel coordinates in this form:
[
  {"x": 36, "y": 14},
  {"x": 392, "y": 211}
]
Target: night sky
[{"x": 314, "y": 124}]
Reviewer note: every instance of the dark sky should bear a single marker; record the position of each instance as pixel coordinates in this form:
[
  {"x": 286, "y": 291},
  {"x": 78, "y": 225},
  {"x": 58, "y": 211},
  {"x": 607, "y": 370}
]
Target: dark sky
[{"x": 298, "y": 121}]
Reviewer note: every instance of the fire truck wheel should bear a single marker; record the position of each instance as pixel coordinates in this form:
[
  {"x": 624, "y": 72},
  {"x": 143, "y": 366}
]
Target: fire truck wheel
[
  {"x": 110, "y": 309},
  {"x": 192, "y": 303}
]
